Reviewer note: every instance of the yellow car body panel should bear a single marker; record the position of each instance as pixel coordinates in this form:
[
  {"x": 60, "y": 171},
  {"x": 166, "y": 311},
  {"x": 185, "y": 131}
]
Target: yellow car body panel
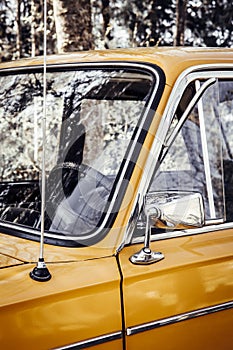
[
  {"x": 172, "y": 60},
  {"x": 191, "y": 334},
  {"x": 196, "y": 273},
  {"x": 59, "y": 312},
  {"x": 96, "y": 297}
]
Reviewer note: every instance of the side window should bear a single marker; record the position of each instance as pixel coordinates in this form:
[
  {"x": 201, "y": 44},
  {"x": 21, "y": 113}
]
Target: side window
[
  {"x": 199, "y": 155},
  {"x": 91, "y": 116}
]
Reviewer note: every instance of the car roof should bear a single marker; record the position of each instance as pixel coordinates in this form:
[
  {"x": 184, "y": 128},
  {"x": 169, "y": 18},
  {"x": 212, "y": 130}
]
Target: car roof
[{"x": 173, "y": 60}]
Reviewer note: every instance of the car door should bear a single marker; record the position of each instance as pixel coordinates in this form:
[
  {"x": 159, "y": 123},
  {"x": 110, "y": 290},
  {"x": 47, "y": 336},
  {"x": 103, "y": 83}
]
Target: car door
[
  {"x": 78, "y": 308},
  {"x": 185, "y": 300}
]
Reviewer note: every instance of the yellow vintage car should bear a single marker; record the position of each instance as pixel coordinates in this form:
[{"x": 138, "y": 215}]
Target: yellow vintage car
[{"x": 116, "y": 200}]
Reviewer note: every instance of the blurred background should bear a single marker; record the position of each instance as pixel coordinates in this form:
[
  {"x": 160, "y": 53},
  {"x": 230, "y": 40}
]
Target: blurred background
[{"x": 107, "y": 24}]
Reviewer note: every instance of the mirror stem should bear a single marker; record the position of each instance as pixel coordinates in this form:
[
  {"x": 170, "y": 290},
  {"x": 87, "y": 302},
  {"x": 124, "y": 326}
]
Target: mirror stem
[
  {"x": 150, "y": 212},
  {"x": 146, "y": 256}
]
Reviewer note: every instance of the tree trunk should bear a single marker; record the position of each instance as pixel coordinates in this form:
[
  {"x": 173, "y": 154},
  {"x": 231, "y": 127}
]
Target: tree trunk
[
  {"x": 73, "y": 25},
  {"x": 181, "y": 6},
  {"x": 33, "y": 29},
  {"x": 98, "y": 22},
  {"x": 18, "y": 30},
  {"x": 118, "y": 32}
]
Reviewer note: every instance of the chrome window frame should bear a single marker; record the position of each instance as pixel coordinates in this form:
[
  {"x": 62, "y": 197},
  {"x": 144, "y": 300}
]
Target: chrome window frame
[
  {"x": 198, "y": 72},
  {"x": 148, "y": 68}
]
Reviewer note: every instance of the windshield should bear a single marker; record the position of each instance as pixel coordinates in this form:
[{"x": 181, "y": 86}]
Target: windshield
[{"x": 91, "y": 116}]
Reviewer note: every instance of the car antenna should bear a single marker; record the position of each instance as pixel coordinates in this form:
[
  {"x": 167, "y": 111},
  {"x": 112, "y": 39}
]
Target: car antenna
[{"x": 40, "y": 272}]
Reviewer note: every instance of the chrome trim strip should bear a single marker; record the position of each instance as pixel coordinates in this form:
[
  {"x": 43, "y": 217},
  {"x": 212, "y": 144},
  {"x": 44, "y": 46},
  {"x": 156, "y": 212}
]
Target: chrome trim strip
[
  {"x": 183, "y": 233},
  {"x": 178, "y": 318},
  {"x": 92, "y": 342}
]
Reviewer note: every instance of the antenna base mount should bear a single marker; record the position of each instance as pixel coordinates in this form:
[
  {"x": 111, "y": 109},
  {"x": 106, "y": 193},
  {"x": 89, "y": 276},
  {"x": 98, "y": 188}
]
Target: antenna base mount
[{"x": 40, "y": 273}]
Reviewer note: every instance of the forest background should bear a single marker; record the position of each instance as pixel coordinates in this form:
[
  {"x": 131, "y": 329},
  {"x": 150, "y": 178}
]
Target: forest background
[{"x": 107, "y": 24}]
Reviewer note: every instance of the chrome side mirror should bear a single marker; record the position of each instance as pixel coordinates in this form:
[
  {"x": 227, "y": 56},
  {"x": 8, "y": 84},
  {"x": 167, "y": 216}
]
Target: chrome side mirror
[
  {"x": 175, "y": 210},
  {"x": 170, "y": 210}
]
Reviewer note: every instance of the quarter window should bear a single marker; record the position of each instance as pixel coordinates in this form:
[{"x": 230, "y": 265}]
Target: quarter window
[{"x": 200, "y": 158}]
